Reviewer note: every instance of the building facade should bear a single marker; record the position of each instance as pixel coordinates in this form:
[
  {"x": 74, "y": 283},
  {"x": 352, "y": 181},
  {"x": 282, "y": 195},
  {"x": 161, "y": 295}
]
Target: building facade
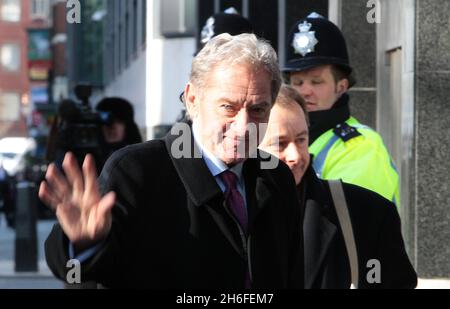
[
  {"x": 25, "y": 63},
  {"x": 14, "y": 82},
  {"x": 58, "y": 79}
]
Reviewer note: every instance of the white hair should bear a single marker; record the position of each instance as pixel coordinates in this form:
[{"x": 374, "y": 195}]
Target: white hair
[{"x": 246, "y": 48}]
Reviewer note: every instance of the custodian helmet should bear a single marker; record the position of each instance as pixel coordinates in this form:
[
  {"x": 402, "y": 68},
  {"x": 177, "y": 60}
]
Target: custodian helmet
[
  {"x": 228, "y": 21},
  {"x": 316, "y": 41}
]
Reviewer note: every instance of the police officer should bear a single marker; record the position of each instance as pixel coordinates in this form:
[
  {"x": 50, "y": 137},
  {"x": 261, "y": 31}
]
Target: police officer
[{"x": 317, "y": 66}]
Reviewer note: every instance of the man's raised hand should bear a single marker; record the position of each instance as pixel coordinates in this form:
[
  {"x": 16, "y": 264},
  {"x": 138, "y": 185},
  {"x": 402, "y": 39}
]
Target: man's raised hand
[{"x": 83, "y": 214}]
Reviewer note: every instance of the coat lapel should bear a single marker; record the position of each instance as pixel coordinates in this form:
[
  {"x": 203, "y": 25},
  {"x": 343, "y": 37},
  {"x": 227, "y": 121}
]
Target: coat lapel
[
  {"x": 198, "y": 181},
  {"x": 318, "y": 230},
  {"x": 259, "y": 188},
  {"x": 318, "y": 233},
  {"x": 219, "y": 219},
  {"x": 201, "y": 187}
]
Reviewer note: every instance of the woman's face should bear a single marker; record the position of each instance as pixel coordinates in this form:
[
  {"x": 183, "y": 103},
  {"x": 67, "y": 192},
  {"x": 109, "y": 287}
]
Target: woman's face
[{"x": 114, "y": 132}]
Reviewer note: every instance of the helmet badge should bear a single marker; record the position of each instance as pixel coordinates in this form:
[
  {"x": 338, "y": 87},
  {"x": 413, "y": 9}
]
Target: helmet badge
[
  {"x": 208, "y": 30},
  {"x": 305, "y": 40}
]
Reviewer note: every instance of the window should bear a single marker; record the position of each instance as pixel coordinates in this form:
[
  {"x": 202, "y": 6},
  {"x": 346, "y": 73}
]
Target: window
[
  {"x": 127, "y": 40},
  {"x": 10, "y": 57},
  {"x": 113, "y": 56},
  {"x": 178, "y": 18},
  {"x": 111, "y": 49},
  {"x": 10, "y": 10},
  {"x": 135, "y": 26},
  {"x": 40, "y": 8},
  {"x": 119, "y": 50},
  {"x": 144, "y": 21},
  {"x": 9, "y": 106}
]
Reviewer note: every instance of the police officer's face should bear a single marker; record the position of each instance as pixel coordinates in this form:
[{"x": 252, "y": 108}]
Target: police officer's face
[
  {"x": 318, "y": 87},
  {"x": 229, "y": 110},
  {"x": 287, "y": 138}
]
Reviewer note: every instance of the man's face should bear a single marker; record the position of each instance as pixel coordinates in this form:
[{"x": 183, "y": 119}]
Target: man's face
[
  {"x": 318, "y": 87},
  {"x": 233, "y": 100},
  {"x": 287, "y": 138}
]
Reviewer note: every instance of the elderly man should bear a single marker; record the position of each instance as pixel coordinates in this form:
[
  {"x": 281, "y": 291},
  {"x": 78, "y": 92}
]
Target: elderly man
[
  {"x": 364, "y": 248},
  {"x": 163, "y": 220}
]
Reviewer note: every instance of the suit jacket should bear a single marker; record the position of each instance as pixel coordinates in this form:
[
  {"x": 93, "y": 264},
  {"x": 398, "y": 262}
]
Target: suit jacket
[
  {"x": 377, "y": 232},
  {"x": 171, "y": 229}
]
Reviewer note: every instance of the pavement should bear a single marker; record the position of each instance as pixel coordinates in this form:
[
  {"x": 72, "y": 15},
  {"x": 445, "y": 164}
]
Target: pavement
[
  {"x": 9, "y": 279},
  {"x": 434, "y": 284}
]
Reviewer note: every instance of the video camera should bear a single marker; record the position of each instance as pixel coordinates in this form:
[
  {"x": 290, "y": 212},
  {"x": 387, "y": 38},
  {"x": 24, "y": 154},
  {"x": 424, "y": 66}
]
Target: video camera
[{"x": 79, "y": 128}]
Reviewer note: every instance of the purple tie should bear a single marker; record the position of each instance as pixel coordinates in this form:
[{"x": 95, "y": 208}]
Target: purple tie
[
  {"x": 235, "y": 203},
  {"x": 234, "y": 199}
]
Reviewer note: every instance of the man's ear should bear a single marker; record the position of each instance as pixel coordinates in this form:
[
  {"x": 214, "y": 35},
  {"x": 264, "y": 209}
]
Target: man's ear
[
  {"x": 191, "y": 98},
  {"x": 342, "y": 86}
]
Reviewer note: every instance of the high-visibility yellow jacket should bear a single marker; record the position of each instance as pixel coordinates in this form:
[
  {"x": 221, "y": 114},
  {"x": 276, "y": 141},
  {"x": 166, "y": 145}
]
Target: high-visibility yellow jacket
[{"x": 357, "y": 155}]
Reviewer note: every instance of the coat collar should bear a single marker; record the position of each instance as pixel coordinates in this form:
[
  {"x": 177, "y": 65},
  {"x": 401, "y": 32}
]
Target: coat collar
[
  {"x": 198, "y": 181},
  {"x": 197, "y": 178},
  {"x": 204, "y": 191},
  {"x": 319, "y": 231},
  {"x": 260, "y": 186},
  {"x": 322, "y": 121}
]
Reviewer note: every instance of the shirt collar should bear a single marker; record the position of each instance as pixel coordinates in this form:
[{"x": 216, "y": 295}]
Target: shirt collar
[{"x": 214, "y": 164}]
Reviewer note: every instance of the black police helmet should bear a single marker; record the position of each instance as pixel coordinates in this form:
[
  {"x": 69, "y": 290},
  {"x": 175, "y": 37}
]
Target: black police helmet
[
  {"x": 228, "y": 21},
  {"x": 316, "y": 41}
]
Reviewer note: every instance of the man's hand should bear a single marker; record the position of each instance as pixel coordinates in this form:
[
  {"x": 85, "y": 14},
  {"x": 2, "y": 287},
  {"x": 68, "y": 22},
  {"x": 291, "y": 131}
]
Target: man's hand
[{"x": 83, "y": 214}]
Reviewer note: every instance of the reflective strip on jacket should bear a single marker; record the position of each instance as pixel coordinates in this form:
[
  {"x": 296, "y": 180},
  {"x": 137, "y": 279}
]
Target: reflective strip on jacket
[{"x": 363, "y": 161}]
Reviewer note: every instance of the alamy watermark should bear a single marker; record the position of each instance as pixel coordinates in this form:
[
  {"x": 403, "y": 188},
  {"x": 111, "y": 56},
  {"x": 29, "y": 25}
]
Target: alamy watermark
[
  {"x": 374, "y": 274},
  {"x": 73, "y": 275},
  {"x": 74, "y": 11},
  {"x": 374, "y": 14},
  {"x": 182, "y": 146},
  {"x": 73, "y": 15}
]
